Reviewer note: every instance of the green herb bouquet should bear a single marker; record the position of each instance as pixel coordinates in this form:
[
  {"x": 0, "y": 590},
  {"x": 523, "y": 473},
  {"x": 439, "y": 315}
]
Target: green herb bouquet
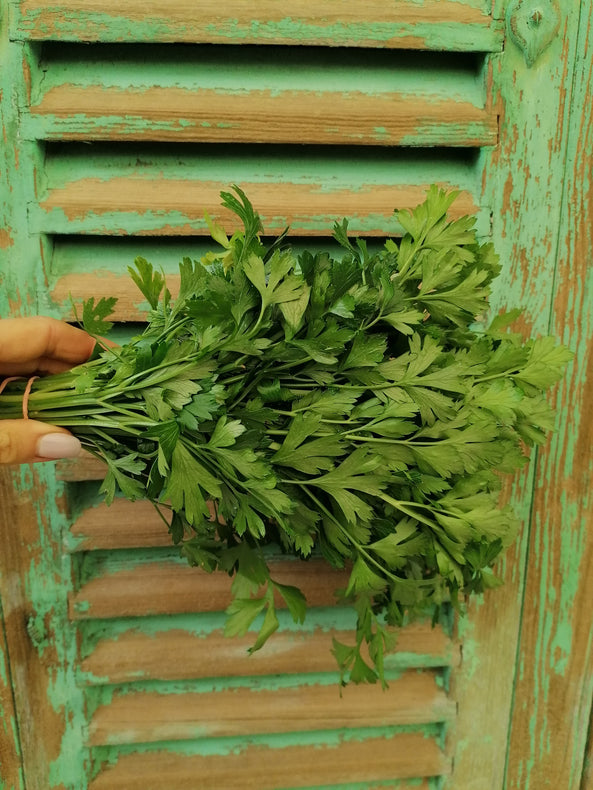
[{"x": 354, "y": 407}]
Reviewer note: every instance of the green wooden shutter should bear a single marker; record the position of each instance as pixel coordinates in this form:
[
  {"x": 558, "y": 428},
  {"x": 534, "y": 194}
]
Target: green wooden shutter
[{"x": 121, "y": 124}]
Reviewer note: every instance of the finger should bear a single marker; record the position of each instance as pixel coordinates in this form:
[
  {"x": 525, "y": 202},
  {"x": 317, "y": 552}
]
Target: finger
[
  {"x": 24, "y": 441},
  {"x": 28, "y": 343},
  {"x": 42, "y": 366}
]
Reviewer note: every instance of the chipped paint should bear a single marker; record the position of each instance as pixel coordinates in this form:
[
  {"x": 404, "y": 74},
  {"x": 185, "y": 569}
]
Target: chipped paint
[
  {"x": 449, "y": 25},
  {"x": 524, "y": 192}
]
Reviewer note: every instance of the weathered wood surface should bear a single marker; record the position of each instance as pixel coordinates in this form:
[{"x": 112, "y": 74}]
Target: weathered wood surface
[
  {"x": 257, "y": 767},
  {"x": 134, "y": 716},
  {"x": 152, "y": 204},
  {"x": 11, "y": 777},
  {"x": 39, "y": 642},
  {"x": 124, "y": 587},
  {"x": 202, "y": 115},
  {"x": 554, "y": 689},
  {"x": 432, "y": 24},
  {"x": 152, "y": 654},
  {"x": 122, "y": 525},
  {"x": 539, "y": 620}
]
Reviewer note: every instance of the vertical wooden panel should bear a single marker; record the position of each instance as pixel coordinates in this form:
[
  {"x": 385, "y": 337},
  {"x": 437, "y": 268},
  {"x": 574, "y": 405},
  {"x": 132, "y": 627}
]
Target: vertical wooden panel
[
  {"x": 555, "y": 669},
  {"x": 523, "y": 181},
  {"x": 11, "y": 776},
  {"x": 34, "y": 574},
  {"x": 33, "y": 581}
]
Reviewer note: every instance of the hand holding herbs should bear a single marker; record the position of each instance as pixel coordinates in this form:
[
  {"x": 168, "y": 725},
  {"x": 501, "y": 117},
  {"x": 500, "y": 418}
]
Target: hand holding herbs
[
  {"x": 352, "y": 407},
  {"x": 37, "y": 345}
]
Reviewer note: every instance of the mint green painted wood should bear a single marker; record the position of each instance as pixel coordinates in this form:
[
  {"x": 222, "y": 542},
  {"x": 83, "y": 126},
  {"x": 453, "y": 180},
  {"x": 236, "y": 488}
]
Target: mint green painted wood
[
  {"x": 555, "y": 669},
  {"x": 101, "y": 191},
  {"x": 534, "y": 182},
  {"x": 461, "y": 25},
  {"x": 532, "y": 189},
  {"x": 245, "y": 94},
  {"x": 11, "y": 773}
]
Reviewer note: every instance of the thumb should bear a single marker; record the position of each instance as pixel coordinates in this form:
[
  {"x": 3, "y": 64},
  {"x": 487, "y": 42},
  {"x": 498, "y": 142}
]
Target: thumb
[{"x": 24, "y": 441}]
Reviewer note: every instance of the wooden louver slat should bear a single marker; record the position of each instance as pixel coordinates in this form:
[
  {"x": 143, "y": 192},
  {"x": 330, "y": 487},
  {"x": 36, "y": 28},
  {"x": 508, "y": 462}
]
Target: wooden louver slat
[
  {"x": 172, "y": 114},
  {"x": 147, "y": 655},
  {"x": 129, "y": 589},
  {"x": 246, "y": 95},
  {"x": 149, "y": 716},
  {"x": 151, "y": 205},
  {"x": 255, "y": 767},
  {"x": 433, "y": 24}
]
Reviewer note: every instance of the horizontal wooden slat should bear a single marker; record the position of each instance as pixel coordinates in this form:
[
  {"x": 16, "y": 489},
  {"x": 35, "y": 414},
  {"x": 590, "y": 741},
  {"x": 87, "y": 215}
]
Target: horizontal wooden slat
[
  {"x": 415, "y": 697},
  {"x": 256, "y": 767},
  {"x": 134, "y": 655},
  {"x": 156, "y": 191},
  {"x": 432, "y": 24},
  {"x": 175, "y": 114},
  {"x": 124, "y": 589},
  {"x": 176, "y": 206},
  {"x": 84, "y": 467},
  {"x": 122, "y": 525},
  {"x": 249, "y": 95}
]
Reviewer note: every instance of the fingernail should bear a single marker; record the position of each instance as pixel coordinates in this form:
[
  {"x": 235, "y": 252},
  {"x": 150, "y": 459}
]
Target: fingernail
[{"x": 58, "y": 445}]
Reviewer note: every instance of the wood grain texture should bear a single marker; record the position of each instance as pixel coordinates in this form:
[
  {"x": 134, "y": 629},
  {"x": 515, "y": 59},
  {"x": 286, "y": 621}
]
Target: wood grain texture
[
  {"x": 77, "y": 470},
  {"x": 122, "y": 525},
  {"x": 524, "y": 175},
  {"x": 431, "y": 24},
  {"x": 262, "y": 768},
  {"x": 555, "y": 675},
  {"x": 11, "y": 776},
  {"x": 127, "y": 589},
  {"x": 170, "y": 114},
  {"x": 137, "y": 655},
  {"x": 161, "y": 205},
  {"x": 147, "y": 717},
  {"x": 37, "y": 636}
]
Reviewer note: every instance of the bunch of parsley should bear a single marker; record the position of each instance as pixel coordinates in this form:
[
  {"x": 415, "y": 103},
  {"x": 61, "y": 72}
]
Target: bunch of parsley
[{"x": 353, "y": 407}]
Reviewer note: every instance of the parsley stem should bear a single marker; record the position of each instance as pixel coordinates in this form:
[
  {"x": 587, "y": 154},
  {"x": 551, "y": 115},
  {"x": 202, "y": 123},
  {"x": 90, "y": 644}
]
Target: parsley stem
[{"x": 358, "y": 546}]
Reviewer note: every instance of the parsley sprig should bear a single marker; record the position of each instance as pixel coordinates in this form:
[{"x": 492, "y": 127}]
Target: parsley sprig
[{"x": 355, "y": 407}]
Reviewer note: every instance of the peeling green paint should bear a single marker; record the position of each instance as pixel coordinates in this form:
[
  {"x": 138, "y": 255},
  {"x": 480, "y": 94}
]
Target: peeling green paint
[
  {"x": 534, "y": 201},
  {"x": 240, "y": 70},
  {"x": 480, "y": 35}
]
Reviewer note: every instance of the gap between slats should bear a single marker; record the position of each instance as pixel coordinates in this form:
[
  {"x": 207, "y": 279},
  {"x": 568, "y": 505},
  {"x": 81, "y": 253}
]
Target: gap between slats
[
  {"x": 316, "y": 95},
  {"x": 413, "y": 698},
  {"x": 255, "y": 767}
]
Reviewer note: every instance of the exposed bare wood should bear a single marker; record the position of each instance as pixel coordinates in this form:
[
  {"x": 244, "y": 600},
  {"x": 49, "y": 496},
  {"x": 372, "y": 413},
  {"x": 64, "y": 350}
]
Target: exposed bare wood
[
  {"x": 10, "y": 756},
  {"x": 121, "y": 525},
  {"x": 397, "y": 24},
  {"x": 34, "y": 641},
  {"x": 134, "y": 655},
  {"x": 85, "y": 467},
  {"x": 157, "y": 205},
  {"x": 169, "y": 114},
  {"x": 262, "y": 768},
  {"x": 551, "y": 722},
  {"x": 145, "y": 717},
  {"x": 169, "y": 587}
]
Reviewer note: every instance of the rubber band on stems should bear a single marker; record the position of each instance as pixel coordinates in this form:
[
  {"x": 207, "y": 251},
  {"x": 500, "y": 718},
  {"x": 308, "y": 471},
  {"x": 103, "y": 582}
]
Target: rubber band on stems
[{"x": 26, "y": 393}]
